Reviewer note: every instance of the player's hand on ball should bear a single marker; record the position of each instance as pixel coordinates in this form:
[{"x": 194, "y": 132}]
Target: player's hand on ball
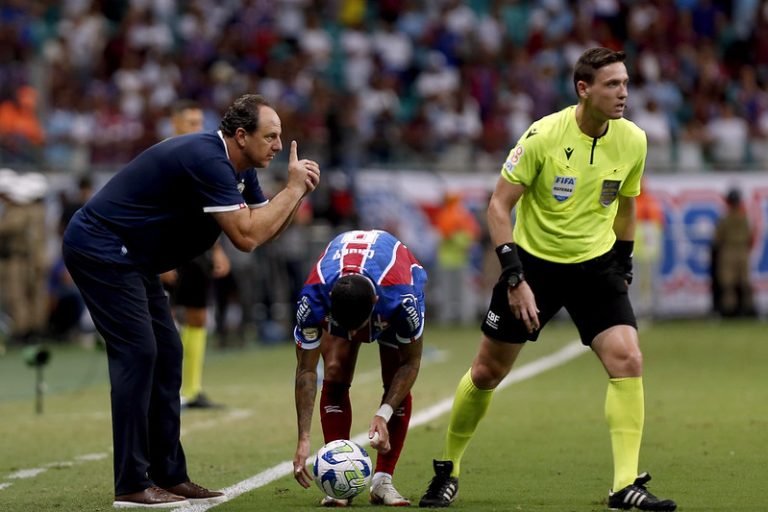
[{"x": 379, "y": 438}]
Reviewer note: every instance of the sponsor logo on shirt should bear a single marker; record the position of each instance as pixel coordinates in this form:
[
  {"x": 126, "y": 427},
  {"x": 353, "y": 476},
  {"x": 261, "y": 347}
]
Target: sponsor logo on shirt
[
  {"x": 367, "y": 253},
  {"x": 513, "y": 159},
  {"x": 303, "y": 311},
  {"x": 563, "y": 187},
  {"x": 411, "y": 308},
  {"x": 240, "y": 186}
]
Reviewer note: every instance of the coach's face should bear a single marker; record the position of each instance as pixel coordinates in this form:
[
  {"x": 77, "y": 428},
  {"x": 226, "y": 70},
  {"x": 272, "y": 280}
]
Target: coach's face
[
  {"x": 261, "y": 146},
  {"x": 606, "y": 97}
]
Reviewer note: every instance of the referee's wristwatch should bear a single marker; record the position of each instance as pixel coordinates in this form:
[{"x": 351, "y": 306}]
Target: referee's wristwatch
[{"x": 514, "y": 279}]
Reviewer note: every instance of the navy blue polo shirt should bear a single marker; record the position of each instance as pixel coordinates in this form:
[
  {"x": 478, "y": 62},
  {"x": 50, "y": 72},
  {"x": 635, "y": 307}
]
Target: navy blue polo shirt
[{"x": 156, "y": 211}]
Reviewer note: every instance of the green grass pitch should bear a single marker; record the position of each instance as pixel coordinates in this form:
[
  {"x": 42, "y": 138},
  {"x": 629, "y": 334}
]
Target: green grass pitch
[{"x": 542, "y": 447}]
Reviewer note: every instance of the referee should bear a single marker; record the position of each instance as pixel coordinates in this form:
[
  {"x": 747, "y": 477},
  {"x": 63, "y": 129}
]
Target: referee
[
  {"x": 572, "y": 179},
  {"x": 168, "y": 205}
]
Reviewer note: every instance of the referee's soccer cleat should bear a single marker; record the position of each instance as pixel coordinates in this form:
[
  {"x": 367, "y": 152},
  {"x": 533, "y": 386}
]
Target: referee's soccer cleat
[
  {"x": 443, "y": 488},
  {"x": 636, "y": 495}
]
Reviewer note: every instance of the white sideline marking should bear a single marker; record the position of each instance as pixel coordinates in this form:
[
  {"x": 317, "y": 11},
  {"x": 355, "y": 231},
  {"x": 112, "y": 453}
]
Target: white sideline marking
[
  {"x": 233, "y": 415},
  {"x": 562, "y": 356}
]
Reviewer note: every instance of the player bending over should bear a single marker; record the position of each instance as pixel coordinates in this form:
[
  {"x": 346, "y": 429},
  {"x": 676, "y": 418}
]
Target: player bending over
[{"x": 367, "y": 286}]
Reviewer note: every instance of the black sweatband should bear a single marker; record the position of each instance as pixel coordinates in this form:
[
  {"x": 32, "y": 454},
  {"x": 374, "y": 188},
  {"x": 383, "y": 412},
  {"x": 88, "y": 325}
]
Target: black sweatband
[
  {"x": 624, "y": 248},
  {"x": 508, "y": 258}
]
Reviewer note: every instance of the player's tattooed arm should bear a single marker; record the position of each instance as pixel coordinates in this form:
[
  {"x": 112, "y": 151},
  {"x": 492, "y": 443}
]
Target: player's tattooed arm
[
  {"x": 306, "y": 387},
  {"x": 305, "y": 392},
  {"x": 405, "y": 377}
]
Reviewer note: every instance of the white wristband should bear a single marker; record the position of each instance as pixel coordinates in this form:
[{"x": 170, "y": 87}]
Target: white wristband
[{"x": 385, "y": 411}]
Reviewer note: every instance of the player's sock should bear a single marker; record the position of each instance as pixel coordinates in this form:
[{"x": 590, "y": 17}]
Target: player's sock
[
  {"x": 398, "y": 428},
  {"x": 625, "y": 413},
  {"x": 193, "y": 340},
  {"x": 335, "y": 411},
  {"x": 469, "y": 406}
]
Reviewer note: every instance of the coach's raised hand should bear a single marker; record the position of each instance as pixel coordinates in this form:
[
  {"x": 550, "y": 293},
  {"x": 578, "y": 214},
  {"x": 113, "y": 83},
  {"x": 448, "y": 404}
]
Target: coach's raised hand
[{"x": 304, "y": 171}]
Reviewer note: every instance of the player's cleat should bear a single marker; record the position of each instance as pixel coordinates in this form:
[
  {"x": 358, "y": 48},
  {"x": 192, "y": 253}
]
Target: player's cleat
[
  {"x": 197, "y": 493},
  {"x": 330, "y": 501},
  {"x": 443, "y": 488},
  {"x": 384, "y": 493},
  {"x": 201, "y": 401},
  {"x": 636, "y": 495}
]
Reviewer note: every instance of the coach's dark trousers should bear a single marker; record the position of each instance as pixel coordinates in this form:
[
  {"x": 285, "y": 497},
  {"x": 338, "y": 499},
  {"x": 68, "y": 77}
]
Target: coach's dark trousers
[{"x": 132, "y": 313}]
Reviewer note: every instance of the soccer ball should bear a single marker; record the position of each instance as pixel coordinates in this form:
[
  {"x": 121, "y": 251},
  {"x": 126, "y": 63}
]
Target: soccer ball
[{"x": 342, "y": 469}]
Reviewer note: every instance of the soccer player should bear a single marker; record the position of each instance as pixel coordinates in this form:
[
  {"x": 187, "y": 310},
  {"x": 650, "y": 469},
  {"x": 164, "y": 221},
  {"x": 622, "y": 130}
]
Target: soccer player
[
  {"x": 165, "y": 207},
  {"x": 366, "y": 286},
  {"x": 573, "y": 177},
  {"x": 191, "y": 284}
]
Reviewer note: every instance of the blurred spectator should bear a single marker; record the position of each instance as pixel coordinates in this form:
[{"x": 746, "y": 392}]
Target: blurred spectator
[
  {"x": 656, "y": 126},
  {"x": 458, "y": 230},
  {"x": 113, "y": 68},
  {"x": 23, "y": 255},
  {"x": 67, "y": 315},
  {"x": 69, "y": 204},
  {"x": 21, "y": 133},
  {"x": 732, "y": 245},
  {"x": 647, "y": 252},
  {"x": 727, "y": 136}
]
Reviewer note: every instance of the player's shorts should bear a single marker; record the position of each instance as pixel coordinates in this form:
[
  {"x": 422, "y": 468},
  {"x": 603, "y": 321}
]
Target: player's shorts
[
  {"x": 593, "y": 292},
  {"x": 195, "y": 279}
]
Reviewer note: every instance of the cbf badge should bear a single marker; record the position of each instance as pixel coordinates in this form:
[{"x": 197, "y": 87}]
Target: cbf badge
[
  {"x": 563, "y": 187},
  {"x": 609, "y": 192}
]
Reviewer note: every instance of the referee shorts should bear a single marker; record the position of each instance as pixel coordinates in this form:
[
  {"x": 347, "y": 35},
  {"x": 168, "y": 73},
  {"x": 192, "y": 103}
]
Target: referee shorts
[{"x": 593, "y": 292}]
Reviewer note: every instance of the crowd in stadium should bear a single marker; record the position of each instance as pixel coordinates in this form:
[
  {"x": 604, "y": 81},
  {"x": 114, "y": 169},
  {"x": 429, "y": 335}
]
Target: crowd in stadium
[{"x": 445, "y": 84}]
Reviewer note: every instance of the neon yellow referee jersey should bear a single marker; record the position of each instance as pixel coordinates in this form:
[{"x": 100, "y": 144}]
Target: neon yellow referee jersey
[{"x": 572, "y": 185}]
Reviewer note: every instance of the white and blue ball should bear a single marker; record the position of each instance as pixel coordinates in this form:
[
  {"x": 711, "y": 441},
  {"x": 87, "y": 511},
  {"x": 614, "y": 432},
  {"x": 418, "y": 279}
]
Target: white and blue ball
[{"x": 342, "y": 469}]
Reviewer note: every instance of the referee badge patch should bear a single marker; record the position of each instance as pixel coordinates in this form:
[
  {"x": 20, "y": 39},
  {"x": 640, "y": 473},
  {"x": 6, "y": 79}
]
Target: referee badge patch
[
  {"x": 563, "y": 187},
  {"x": 609, "y": 192}
]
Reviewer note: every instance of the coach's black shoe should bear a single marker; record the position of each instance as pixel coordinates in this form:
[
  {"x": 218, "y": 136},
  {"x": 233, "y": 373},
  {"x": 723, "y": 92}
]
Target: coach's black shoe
[
  {"x": 636, "y": 495},
  {"x": 443, "y": 488}
]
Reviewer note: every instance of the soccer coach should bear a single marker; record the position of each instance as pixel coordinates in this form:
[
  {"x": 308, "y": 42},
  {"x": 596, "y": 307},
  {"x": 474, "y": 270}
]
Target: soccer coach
[{"x": 165, "y": 207}]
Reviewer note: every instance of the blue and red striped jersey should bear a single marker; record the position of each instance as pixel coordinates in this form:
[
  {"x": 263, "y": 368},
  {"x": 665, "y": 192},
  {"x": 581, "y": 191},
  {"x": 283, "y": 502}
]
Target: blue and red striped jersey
[{"x": 396, "y": 274}]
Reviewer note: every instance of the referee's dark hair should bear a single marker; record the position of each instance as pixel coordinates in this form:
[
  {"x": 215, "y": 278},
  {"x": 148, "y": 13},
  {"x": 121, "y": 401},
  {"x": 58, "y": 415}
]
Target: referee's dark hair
[
  {"x": 352, "y": 300},
  {"x": 592, "y": 60},
  {"x": 243, "y": 113}
]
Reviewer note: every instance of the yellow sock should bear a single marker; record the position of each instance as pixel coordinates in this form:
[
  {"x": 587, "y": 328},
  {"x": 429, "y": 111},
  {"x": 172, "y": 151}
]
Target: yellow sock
[
  {"x": 193, "y": 339},
  {"x": 625, "y": 413},
  {"x": 469, "y": 406}
]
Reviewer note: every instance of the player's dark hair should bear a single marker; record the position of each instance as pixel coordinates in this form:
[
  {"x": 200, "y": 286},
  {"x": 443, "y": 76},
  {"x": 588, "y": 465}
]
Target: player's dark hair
[
  {"x": 243, "y": 113},
  {"x": 592, "y": 60},
  {"x": 180, "y": 106},
  {"x": 352, "y": 301}
]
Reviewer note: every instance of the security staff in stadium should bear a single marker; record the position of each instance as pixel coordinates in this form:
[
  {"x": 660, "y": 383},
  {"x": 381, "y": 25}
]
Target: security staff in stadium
[
  {"x": 165, "y": 207},
  {"x": 573, "y": 177},
  {"x": 367, "y": 286}
]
